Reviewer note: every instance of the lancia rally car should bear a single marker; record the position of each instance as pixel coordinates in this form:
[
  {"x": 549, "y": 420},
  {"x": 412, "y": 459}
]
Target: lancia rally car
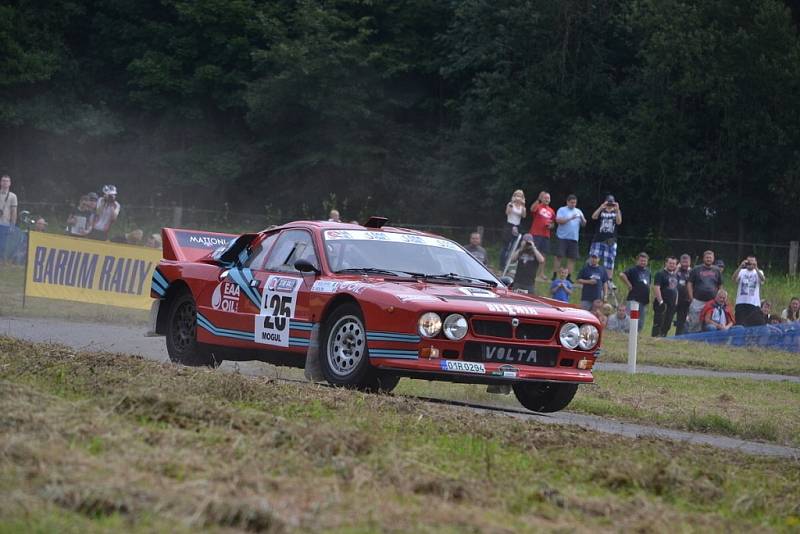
[{"x": 363, "y": 306}]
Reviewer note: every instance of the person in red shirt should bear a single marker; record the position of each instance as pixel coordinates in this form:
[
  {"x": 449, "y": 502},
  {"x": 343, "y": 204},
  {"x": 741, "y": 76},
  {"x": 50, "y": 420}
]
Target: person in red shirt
[
  {"x": 717, "y": 313},
  {"x": 543, "y": 219}
]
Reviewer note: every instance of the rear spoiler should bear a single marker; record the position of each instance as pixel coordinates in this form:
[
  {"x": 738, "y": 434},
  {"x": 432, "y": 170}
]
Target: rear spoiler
[{"x": 191, "y": 245}]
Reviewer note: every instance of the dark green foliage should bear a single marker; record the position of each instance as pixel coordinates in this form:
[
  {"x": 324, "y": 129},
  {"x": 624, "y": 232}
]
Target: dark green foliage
[{"x": 423, "y": 110}]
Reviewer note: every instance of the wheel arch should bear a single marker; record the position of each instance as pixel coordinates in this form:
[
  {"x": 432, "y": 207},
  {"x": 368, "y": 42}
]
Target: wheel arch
[
  {"x": 176, "y": 288},
  {"x": 335, "y": 302}
]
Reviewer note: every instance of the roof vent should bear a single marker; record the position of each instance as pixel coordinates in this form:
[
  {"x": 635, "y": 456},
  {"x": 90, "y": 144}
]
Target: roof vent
[{"x": 376, "y": 222}]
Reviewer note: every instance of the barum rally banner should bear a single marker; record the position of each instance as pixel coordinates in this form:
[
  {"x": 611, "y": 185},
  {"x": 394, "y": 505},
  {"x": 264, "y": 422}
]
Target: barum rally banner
[{"x": 84, "y": 270}]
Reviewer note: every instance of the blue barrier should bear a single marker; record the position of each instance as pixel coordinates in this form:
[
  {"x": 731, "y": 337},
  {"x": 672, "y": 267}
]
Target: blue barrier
[{"x": 785, "y": 336}]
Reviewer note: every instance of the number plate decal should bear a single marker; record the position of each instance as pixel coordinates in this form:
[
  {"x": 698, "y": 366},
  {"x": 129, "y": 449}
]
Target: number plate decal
[
  {"x": 463, "y": 367},
  {"x": 278, "y": 303}
]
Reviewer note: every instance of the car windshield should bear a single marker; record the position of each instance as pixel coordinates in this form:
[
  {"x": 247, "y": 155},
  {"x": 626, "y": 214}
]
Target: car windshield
[{"x": 403, "y": 254}]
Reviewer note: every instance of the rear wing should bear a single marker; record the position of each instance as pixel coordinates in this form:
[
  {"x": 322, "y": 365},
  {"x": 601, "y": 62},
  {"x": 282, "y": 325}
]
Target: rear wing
[{"x": 191, "y": 245}]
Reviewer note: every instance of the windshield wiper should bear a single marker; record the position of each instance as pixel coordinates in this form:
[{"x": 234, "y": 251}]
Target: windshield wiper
[
  {"x": 374, "y": 270},
  {"x": 461, "y": 277}
]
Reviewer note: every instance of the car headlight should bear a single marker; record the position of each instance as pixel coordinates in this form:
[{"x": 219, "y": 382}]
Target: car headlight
[
  {"x": 455, "y": 326},
  {"x": 569, "y": 335},
  {"x": 588, "y": 337},
  {"x": 430, "y": 324}
]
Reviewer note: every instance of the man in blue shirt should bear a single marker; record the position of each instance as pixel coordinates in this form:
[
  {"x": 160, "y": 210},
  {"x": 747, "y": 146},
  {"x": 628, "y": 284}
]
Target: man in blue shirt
[
  {"x": 593, "y": 277},
  {"x": 569, "y": 219}
]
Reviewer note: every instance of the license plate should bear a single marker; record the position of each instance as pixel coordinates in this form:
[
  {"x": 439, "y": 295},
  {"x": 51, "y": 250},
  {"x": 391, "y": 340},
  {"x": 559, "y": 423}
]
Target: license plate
[
  {"x": 508, "y": 354},
  {"x": 463, "y": 367}
]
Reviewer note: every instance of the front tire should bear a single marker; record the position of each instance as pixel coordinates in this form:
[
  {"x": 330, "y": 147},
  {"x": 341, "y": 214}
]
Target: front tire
[
  {"x": 544, "y": 397},
  {"x": 344, "y": 357},
  {"x": 182, "y": 345}
]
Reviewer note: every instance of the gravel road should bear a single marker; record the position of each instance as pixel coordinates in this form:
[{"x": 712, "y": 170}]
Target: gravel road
[{"x": 131, "y": 340}]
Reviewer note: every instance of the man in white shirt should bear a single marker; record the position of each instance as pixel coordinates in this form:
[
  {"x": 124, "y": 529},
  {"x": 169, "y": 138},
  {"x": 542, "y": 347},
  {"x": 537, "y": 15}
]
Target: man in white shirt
[
  {"x": 748, "y": 294},
  {"x": 107, "y": 213},
  {"x": 8, "y": 214}
]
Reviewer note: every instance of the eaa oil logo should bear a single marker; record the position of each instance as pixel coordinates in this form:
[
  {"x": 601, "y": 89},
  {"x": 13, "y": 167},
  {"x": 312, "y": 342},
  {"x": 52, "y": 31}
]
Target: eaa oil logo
[{"x": 226, "y": 297}]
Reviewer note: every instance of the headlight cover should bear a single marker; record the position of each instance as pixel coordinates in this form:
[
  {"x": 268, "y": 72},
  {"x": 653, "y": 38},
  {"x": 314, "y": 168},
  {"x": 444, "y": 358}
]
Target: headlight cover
[
  {"x": 589, "y": 335},
  {"x": 455, "y": 326},
  {"x": 429, "y": 325},
  {"x": 569, "y": 335}
]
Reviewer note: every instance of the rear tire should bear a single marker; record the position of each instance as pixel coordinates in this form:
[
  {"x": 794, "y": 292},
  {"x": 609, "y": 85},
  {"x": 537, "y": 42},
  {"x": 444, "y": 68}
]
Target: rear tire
[
  {"x": 182, "y": 345},
  {"x": 344, "y": 356},
  {"x": 545, "y": 397}
]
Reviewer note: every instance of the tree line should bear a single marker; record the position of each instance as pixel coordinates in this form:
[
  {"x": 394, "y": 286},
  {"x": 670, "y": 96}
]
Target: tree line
[{"x": 421, "y": 110}]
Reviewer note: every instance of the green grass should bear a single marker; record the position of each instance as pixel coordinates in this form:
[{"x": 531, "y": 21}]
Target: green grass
[
  {"x": 222, "y": 451},
  {"x": 674, "y": 353},
  {"x": 746, "y": 409}
]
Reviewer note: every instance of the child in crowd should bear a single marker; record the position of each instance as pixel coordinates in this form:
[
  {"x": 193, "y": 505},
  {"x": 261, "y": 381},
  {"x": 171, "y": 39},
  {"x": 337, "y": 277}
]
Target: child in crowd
[{"x": 561, "y": 288}]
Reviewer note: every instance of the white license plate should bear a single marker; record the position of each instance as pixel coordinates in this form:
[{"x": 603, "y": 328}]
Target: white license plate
[{"x": 463, "y": 367}]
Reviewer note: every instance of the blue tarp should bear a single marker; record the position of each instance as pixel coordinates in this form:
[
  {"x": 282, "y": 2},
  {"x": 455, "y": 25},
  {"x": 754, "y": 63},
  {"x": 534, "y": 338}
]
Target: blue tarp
[{"x": 785, "y": 336}]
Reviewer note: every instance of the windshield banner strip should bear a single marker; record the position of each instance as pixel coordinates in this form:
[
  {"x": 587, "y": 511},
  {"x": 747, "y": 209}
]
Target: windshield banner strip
[{"x": 392, "y": 237}]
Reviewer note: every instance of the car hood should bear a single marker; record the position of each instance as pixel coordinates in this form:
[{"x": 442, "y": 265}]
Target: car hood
[{"x": 478, "y": 300}]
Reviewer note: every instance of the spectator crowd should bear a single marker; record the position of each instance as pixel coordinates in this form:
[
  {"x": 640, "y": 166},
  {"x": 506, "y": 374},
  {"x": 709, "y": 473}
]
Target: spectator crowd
[
  {"x": 690, "y": 298},
  {"x": 93, "y": 217}
]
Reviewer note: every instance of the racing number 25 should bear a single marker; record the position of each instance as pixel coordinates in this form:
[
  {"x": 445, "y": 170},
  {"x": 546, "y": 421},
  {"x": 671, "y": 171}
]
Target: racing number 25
[{"x": 280, "y": 311}]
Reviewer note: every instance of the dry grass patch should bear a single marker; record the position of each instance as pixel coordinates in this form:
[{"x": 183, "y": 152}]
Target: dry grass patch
[{"x": 107, "y": 442}]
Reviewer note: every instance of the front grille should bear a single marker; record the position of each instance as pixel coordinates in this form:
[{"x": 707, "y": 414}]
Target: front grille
[
  {"x": 504, "y": 330},
  {"x": 541, "y": 332},
  {"x": 483, "y": 327}
]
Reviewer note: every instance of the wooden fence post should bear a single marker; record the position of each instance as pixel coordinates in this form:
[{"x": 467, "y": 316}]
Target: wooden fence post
[
  {"x": 793, "y": 250},
  {"x": 480, "y": 231},
  {"x": 177, "y": 216}
]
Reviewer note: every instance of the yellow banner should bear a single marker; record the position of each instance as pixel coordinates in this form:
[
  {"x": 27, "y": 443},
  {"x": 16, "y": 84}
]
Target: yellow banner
[{"x": 84, "y": 270}]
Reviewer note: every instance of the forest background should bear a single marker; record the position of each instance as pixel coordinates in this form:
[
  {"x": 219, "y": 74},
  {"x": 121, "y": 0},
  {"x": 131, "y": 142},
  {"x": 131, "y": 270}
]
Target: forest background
[{"x": 419, "y": 110}]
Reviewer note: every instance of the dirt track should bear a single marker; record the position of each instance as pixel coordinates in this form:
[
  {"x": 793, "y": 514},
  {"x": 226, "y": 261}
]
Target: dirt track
[{"x": 131, "y": 340}]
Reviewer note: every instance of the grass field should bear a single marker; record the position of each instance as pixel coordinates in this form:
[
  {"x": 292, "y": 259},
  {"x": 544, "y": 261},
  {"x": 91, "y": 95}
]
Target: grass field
[
  {"x": 98, "y": 442},
  {"x": 746, "y": 409}
]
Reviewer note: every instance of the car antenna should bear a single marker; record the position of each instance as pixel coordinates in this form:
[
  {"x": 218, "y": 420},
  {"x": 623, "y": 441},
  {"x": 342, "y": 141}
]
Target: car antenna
[{"x": 376, "y": 222}]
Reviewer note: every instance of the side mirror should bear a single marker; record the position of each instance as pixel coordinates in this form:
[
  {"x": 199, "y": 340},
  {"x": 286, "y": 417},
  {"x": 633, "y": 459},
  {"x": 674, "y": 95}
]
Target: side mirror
[
  {"x": 305, "y": 266},
  {"x": 507, "y": 280}
]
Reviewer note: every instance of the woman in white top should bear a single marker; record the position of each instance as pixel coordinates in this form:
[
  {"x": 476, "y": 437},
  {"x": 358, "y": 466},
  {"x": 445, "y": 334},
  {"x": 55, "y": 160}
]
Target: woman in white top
[
  {"x": 792, "y": 311},
  {"x": 515, "y": 212}
]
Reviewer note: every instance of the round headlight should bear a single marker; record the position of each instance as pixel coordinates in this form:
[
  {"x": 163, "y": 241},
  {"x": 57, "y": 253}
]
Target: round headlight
[
  {"x": 569, "y": 335},
  {"x": 455, "y": 326},
  {"x": 588, "y": 337},
  {"x": 430, "y": 324}
]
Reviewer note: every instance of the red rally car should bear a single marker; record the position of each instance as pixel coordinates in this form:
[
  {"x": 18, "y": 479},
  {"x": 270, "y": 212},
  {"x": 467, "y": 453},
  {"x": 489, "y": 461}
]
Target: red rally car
[{"x": 364, "y": 306}]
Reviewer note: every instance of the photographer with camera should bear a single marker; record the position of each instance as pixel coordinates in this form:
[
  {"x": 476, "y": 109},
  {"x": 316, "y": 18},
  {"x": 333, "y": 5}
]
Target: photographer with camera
[
  {"x": 748, "y": 295},
  {"x": 8, "y": 214},
  {"x": 107, "y": 213},
  {"x": 528, "y": 259},
  {"x": 604, "y": 243}
]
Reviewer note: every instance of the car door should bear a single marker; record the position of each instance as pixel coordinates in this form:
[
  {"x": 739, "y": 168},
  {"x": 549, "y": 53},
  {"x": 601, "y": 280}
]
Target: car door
[
  {"x": 284, "y": 320},
  {"x": 226, "y": 315}
]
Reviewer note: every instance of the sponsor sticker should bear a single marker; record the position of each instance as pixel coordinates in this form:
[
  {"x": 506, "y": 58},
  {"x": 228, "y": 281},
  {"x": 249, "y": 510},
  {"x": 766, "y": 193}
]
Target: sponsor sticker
[
  {"x": 226, "y": 297},
  {"x": 353, "y": 287},
  {"x": 463, "y": 367},
  {"x": 478, "y": 292},
  {"x": 325, "y": 286},
  {"x": 506, "y": 371},
  {"x": 278, "y": 305},
  {"x": 512, "y": 309}
]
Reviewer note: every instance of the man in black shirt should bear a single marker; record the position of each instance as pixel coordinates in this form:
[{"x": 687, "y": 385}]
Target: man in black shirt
[
  {"x": 604, "y": 243},
  {"x": 637, "y": 278},
  {"x": 666, "y": 297},
  {"x": 704, "y": 282},
  {"x": 684, "y": 269}
]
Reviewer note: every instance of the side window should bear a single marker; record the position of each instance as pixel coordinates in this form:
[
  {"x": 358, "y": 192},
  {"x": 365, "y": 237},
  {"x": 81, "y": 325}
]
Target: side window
[
  {"x": 258, "y": 256},
  {"x": 291, "y": 246}
]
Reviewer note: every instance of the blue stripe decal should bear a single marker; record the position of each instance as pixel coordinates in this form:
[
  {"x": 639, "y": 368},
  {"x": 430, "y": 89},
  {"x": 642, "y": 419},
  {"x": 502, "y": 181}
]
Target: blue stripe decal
[
  {"x": 248, "y": 291},
  {"x": 405, "y": 356},
  {"x": 159, "y": 278},
  {"x": 224, "y": 332},
  {"x": 297, "y": 325},
  {"x": 299, "y": 341},
  {"x": 393, "y": 336},
  {"x": 157, "y": 288}
]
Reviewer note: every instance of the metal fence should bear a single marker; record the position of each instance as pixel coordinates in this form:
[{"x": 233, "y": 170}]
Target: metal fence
[{"x": 776, "y": 257}]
